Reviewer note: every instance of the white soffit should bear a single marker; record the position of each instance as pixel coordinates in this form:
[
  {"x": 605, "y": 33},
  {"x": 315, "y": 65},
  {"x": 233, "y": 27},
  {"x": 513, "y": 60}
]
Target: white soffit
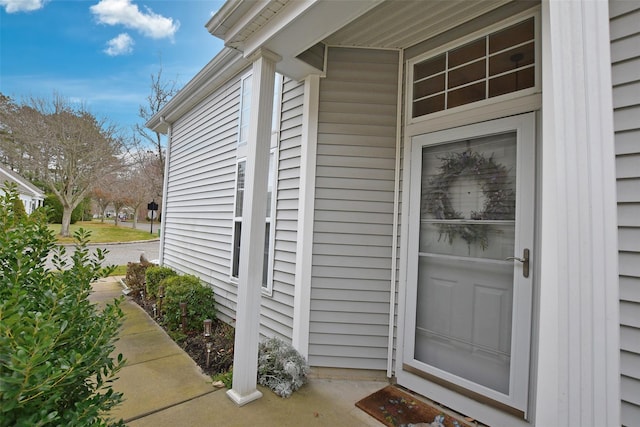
[
  {"x": 403, "y": 23},
  {"x": 286, "y": 27}
]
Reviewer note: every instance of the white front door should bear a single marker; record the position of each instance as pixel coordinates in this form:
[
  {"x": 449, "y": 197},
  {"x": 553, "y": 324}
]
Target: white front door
[{"x": 469, "y": 279}]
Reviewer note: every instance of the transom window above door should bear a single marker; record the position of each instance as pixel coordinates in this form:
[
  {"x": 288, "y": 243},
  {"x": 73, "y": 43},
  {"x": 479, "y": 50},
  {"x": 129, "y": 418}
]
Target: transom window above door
[{"x": 499, "y": 63}]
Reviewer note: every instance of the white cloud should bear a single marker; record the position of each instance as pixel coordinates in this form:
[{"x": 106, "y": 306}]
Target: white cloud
[
  {"x": 12, "y": 6},
  {"x": 124, "y": 12},
  {"x": 121, "y": 45}
]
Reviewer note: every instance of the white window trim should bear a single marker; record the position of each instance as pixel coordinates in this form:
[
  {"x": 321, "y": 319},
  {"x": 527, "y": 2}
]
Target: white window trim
[
  {"x": 236, "y": 219},
  {"x": 275, "y": 152},
  {"x": 515, "y": 19},
  {"x": 242, "y": 144},
  {"x": 267, "y": 289}
]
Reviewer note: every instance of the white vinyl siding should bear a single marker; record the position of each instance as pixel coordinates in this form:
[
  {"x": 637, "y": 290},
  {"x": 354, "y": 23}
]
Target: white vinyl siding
[
  {"x": 350, "y": 287},
  {"x": 277, "y": 309},
  {"x": 625, "y": 56},
  {"x": 200, "y": 193}
]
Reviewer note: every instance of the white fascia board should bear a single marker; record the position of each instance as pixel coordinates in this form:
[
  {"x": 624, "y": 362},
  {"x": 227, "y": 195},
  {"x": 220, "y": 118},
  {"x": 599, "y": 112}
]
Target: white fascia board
[
  {"x": 223, "y": 19},
  {"x": 220, "y": 69},
  {"x": 242, "y": 17}
]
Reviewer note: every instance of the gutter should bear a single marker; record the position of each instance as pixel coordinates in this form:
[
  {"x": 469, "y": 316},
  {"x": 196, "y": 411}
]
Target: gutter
[{"x": 165, "y": 186}]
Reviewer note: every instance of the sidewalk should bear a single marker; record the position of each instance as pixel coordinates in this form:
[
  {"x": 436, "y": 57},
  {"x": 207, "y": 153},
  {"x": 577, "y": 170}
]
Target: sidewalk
[{"x": 162, "y": 386}]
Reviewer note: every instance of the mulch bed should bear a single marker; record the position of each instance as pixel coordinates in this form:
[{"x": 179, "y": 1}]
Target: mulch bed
[
  {"x": 393, "y": 407},
  {"x": 194, "y": 343}
]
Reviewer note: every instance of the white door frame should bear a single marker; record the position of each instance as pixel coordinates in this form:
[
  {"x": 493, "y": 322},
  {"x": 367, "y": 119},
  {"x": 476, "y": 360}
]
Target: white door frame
[{"x": 524, "y": 125}]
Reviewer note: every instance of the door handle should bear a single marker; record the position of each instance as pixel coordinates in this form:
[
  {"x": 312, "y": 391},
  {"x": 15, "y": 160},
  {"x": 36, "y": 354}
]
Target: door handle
[{"x": 524, "y": 260}]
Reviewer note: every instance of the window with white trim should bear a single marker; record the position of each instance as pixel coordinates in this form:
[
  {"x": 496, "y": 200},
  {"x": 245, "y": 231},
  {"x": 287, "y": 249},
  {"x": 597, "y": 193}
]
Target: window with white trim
[
  {"x": 240, "y": 182},
  {"x": 245, "y": 109},
  {"x": 497, "y": 64}
]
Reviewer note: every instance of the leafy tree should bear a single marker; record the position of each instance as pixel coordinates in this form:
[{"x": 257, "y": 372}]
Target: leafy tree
[
  {"x": 18, "y": 209},
  {"x": 55, "y": 360},
  {"x": 63, "y": 145}
]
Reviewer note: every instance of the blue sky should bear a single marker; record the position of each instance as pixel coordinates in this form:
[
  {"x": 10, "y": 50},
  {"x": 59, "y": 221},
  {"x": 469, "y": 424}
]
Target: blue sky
[{"x": 102, "y": 52}]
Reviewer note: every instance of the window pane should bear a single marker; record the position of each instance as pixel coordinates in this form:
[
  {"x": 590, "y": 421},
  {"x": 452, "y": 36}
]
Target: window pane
[
  {"x": 428, "y": 106},
  {"x": 467, "y": 53},
  {"x": 270, "y": 184},
  {"x": 429, "y": 67},
  {"x": 265, "y": 267},
  {"x": 245, "y": 112},
  {"x": 240, "y": 188},
  {"x": 466, "y": 95},
  {"x": 511, "y": 36},
  {"x": 512, "y": 59},
  {"x": 277, "y": 95},
  {"x": 428, "y": 87},
  {"x": 467, "y": 74},
  {"x": 511, "y": 82},
  {"x": 235, "y": 267},
  {"x": 474, "y": 181}
]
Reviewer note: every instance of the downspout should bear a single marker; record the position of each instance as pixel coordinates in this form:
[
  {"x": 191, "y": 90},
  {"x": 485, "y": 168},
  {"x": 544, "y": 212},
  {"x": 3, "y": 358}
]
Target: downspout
[
  {"x": 165, "y": 185},
  {"x": 396, "y": 209}
]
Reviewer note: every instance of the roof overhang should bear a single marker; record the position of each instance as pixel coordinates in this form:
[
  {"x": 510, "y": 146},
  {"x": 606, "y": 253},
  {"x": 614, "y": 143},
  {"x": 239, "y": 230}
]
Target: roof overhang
[
  {"x": 285, "y": 27},
  {"x": 289, "y": 28}
]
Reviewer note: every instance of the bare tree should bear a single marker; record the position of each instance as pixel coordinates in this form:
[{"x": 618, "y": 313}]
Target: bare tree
[
  {"x": 161, "y": 92},
  {"x": 68, "y": 147},
  {"x": 102, "y": 198},
  {"x": 14, "y": 153},
  {"x": 140, "y": 184}
]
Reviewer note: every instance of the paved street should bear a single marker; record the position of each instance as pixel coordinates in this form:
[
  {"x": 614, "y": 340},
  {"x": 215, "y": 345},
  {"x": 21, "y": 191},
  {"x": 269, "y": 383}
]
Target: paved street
[{"x": 121, "y": 253}]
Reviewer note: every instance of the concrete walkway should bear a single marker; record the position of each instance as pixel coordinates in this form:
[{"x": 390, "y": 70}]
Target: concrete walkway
[{"x": 162, "y": 386}]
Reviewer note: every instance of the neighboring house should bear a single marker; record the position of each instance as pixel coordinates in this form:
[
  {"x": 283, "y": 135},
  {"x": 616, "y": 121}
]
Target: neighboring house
[
  {"x": 31, "y": 196},
  {"x": 439, "y": 183}
]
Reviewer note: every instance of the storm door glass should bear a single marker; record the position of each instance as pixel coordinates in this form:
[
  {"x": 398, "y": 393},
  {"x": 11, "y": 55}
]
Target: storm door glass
[{"x": 464, "y": 291}]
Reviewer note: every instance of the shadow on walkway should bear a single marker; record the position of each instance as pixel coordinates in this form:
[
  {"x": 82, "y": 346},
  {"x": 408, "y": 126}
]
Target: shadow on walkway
[{"x": 162, "y": 386}]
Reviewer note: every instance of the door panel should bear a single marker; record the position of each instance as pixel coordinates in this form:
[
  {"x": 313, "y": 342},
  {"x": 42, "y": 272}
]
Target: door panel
[
  {"x": 462, "y": 326},
  {"x": 469, "y": 307}
]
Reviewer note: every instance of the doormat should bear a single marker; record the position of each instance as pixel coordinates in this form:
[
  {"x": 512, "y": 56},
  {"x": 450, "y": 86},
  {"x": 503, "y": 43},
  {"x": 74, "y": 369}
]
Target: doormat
[{"x": 395, "y": 408}]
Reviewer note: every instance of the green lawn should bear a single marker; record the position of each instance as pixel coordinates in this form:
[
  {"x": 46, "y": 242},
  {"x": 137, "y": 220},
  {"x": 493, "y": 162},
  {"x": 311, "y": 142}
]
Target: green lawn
[{"x": 104, "y": 232}]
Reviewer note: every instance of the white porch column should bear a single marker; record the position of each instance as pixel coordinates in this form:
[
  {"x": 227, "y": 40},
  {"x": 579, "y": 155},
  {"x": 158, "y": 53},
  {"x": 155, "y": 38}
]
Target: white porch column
[
  {"x": 578, "y": 368},
  {"x": 245, "y": 359},
  {"x": 306, "y": 203}
]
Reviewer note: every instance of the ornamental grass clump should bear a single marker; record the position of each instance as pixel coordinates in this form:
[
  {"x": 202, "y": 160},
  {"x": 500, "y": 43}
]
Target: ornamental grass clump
[
  {"x": 281, "y": 367},
  {"x": 56, "y": 367}
]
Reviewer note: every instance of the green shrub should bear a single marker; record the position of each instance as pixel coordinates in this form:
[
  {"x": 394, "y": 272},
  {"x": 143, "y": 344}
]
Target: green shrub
[
  {"x": 135, "y": 276},
  {"x": 281, "y": 367},
  {"x": 56, "y": 366},
  {"x": 154, "y": 275},
  {"x": 19, "y": 210},
  {"x": 200, "y": 302}
]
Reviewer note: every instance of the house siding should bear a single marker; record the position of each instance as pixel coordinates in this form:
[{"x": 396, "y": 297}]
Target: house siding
[
  {"x": 625, "y": 57},
  {"x": 200, "y": 201},
  {"x": 277, "y": 309},
  {"x": 351, "y": 262},
  {"x": 200, "y": 193}
]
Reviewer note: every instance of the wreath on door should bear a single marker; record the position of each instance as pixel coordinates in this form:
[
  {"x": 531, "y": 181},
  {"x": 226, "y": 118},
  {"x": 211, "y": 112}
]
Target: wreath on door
[{"x": 494, "y": 180}]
